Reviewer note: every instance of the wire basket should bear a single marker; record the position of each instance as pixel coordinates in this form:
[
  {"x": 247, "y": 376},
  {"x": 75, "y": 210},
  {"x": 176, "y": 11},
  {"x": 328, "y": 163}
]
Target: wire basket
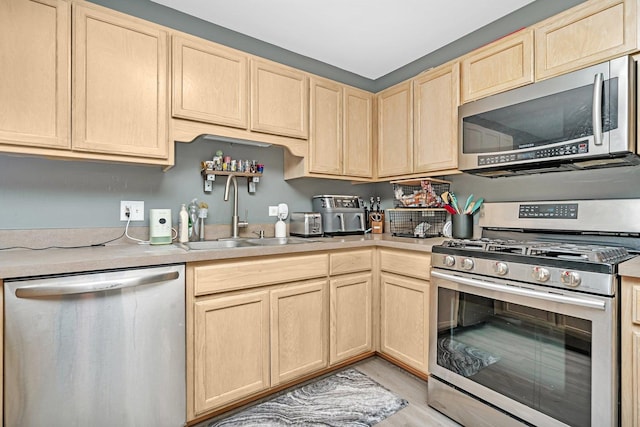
[
  {"x": 421, "y": 223},
  {"x": 421, "y": 193}
]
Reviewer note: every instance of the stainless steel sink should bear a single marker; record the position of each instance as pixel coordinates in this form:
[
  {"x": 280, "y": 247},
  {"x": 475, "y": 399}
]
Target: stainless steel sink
[
  {"x": 275, "y": 241},
  {"x": 227, "y": 243},
  {"x": 216, "y": 244}
]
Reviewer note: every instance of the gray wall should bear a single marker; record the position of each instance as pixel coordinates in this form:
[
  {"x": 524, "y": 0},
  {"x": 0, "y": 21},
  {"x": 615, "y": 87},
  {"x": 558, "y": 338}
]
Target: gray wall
[{"x": 43, "y": 193}]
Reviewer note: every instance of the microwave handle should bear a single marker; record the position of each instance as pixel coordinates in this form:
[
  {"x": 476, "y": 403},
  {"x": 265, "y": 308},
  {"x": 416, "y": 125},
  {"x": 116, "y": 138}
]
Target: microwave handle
[{"x": 597, "y": 109}]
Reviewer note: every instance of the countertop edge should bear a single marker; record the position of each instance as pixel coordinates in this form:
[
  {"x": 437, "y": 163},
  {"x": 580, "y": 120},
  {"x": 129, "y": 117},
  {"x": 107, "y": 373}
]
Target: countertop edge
[{"x": 22, "y": 263}]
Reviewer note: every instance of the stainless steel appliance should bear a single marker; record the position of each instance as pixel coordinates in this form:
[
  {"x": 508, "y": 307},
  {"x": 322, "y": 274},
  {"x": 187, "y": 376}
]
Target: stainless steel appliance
[
  {"x": 305, "y": 224},
  {"x": 580, "y": 120},
  {"x": 524, "y": 322},
  {"x": 96, "y": 349},
  {"x": 341, "y": 215}
]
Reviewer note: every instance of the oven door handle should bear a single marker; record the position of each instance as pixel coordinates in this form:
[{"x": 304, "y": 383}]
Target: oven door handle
[{"x": 581, "y": 301}]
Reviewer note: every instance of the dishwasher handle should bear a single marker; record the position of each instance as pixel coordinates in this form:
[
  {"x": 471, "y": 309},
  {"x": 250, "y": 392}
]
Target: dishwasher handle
[{"x": 41, "y": 291}]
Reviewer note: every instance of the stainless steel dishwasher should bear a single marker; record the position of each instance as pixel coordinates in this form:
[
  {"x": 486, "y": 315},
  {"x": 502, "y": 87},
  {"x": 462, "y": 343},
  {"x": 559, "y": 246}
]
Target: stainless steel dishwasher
[{"x": 96, "y": 349}]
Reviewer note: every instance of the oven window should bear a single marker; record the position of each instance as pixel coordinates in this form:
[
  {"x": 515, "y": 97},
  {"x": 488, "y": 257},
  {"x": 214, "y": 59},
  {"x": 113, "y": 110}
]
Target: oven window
[
  {"x": 536, "y": 357},
  {"x": 561, "y": 117}
]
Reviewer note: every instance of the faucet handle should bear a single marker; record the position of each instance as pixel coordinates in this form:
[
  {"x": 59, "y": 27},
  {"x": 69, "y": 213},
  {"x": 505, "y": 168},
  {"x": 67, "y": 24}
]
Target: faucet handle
[{"x": 245, "y": 223}]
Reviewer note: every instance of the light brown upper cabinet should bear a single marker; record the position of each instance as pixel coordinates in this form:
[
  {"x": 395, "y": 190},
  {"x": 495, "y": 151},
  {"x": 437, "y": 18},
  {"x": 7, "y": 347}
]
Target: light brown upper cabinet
[
  {"x": 340, "y": 141},
  {"x": 210, "y": 82},
  {"x": 35, "y": 89},
  {"x": 502, "y": 65},
  {"x": 121, "y": 66},
  {"x": 325, "y": 140},
  {"x": 435, "y": 119},
  {"x": 358, "y": 128},
  {"x": 395, "y": 130},
  {"x": 279, "y": 99},
  {"x": 587, "y": 34}
]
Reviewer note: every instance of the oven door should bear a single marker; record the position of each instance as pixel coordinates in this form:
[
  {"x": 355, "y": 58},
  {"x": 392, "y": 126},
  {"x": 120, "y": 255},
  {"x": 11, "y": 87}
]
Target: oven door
[{"x": 543, "y": 355}]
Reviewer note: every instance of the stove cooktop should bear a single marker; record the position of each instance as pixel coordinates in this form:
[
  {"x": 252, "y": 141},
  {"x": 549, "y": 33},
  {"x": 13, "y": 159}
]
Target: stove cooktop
[{"x": 540, "y": 249}]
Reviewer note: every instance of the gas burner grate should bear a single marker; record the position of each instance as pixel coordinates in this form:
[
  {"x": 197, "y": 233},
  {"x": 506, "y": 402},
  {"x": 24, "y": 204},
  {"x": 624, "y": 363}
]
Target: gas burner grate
[{"x": 559, "y": 250}]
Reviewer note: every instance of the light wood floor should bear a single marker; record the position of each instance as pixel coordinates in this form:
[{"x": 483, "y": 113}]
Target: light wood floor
[{"x": 416, "y": 414}]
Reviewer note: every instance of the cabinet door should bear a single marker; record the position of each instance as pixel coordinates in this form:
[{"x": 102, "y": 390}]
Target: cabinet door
[
  {"x": 404, "y": 314},
  {"x": 120, "y": 85},
  {"x": 325, "y": 140},
  {"x": 350, "y": 316},
  {"x": 587, "y": 34},
  {"x": 279, "y": 100},
  {"x": 395, "y": 130},
  {"x": 498, "y": 67},
  {"x": 435, "y": 122},
  {"x": 358, "y": 140},
  {"x": 630, "y": 352},
  {"x": 210, "y": 82},
  {"x": 299, "y": 332},
  {"x": 231, "y": 348},
  {"x": 35, "y": 86}
]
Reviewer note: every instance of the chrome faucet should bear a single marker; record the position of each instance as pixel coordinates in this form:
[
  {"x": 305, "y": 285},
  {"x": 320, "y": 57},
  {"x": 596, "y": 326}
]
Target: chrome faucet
[{"x": 235, "y": 220}]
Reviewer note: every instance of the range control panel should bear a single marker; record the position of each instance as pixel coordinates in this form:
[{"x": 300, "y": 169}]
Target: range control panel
[{"x": 552, "y": 211}]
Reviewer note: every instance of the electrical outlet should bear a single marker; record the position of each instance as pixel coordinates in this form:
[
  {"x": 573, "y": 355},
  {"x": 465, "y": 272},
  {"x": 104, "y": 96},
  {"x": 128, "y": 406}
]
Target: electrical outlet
[
  {"x": 136, "y": 210},
  {"x": 273, "y": 211}
]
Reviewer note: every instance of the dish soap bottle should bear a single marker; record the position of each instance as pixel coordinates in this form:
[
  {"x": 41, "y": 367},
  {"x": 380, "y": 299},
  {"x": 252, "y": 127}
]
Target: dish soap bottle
[{"x": 183, "y": 225}]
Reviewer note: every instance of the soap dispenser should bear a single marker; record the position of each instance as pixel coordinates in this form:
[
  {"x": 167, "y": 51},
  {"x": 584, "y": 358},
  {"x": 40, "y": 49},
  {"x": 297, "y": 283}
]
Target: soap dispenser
[{"x": 281, "y": 227}]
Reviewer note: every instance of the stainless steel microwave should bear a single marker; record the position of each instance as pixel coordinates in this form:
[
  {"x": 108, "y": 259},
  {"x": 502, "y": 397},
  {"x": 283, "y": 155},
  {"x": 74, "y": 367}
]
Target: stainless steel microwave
[{"x": 581, "y": 120}]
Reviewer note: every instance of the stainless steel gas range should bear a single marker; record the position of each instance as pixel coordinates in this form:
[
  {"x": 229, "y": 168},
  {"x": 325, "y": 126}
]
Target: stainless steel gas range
[{"x": 524, "y": 325}]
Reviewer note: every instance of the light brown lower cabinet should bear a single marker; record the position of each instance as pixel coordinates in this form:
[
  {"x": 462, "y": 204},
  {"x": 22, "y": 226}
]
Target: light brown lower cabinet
[
  {"x": 350, "y": 316},
  {"x": 231, "y": 348},
  {"x": 404, "y": 314},
  {"x": 244, "y": 341},
  {"x": 630, "y": 352},
  {"x": 299, "y": 335}
]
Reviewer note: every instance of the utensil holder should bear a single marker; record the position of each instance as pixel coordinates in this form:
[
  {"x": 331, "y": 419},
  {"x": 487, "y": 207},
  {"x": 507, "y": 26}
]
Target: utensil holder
[{"x": 462, "y": 226}]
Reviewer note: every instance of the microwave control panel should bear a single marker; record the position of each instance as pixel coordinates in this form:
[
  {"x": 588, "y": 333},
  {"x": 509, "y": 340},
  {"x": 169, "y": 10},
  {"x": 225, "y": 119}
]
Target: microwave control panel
[{"x": 580, "y": 147}]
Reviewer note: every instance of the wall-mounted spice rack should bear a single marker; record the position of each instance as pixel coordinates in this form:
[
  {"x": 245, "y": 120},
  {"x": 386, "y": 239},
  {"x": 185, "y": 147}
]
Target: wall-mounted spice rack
[{"x": 209, "y": 176}]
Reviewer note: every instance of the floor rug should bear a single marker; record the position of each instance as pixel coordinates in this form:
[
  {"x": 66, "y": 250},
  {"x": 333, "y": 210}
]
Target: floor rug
[
  {"x": 346, "y": 399},
  {"x": 462, "y": 358}
]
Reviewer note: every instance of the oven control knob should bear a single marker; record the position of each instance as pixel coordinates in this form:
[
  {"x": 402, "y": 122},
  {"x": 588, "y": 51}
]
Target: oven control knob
[
  {"x": 500, "y": 268},
  {"x": 570, "y": 278},
  {"x": 467, "y": 264},
  {"x": 449, "y": 261},
  {"x": 541, "y": 274}
]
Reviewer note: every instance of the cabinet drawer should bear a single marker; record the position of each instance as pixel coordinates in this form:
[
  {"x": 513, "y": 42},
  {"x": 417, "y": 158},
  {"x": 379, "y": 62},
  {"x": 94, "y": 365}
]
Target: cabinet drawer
[
  {"x": 406, "y": 263},
  {"x": 350, "y": 262},
  {"x": 246, "y": 273}
]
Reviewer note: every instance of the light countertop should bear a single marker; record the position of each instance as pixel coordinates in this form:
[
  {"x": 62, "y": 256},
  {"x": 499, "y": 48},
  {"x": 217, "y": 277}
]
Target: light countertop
[
  {"x": 26, "y": 263},
  {"x": 630, "y": 268}
]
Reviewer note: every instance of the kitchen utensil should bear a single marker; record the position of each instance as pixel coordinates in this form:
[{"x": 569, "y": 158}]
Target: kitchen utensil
[
  {"x": 477, "y": 205},
  {"x": 466, "y": 204},
  {"x": 470, "y": 207},
  {"x": 445, "y": 197},
  {"x": 454, "y": 202},
  {"x": 450, "y": 209}
]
